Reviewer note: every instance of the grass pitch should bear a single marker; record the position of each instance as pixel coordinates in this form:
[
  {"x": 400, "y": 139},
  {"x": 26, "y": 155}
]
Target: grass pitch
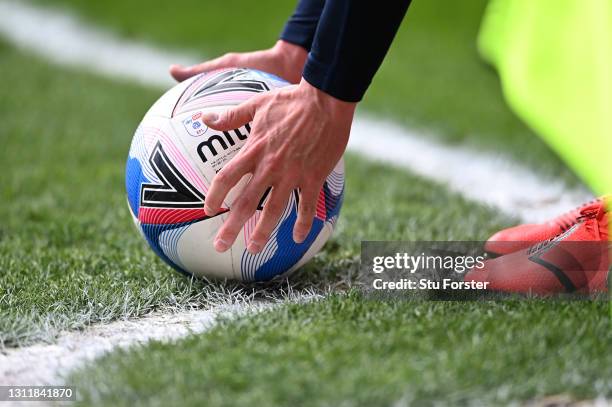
[
  {"x": 67, "y": 253},
  {"x": 352, "y": 351},
  {"x": 69, "y": 256}
]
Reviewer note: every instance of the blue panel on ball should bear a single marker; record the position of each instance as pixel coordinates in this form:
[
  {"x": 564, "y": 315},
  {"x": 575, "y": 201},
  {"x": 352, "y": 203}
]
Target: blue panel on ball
[
  {"x": 288, "y": 253},
  {"x": 152, "y": 233},
  {"x": 333, "y": 203},
  {"x": 270, "y": 75},
  {"x": 134, "y": 177}
]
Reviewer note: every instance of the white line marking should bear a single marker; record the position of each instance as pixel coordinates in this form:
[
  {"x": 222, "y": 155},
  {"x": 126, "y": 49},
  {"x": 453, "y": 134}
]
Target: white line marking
[
  {"x": 484, "y": 177},
  {"x": 62, "y": 39},
  {"x": 45, "y": 364},
  {"x": 48, "y": 364},
  {"x": 487, "y": 178}
]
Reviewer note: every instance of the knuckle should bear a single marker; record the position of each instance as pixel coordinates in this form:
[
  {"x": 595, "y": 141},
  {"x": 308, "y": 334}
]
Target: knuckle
[
  {"x": 278, "y": 159},
  {"x": 278, "y": 153},
  {"x": 257, "y": 146},
  {"x": 246, "y": 60},
  {"x": 243, "y": 207},
  {"x": 276, "y": 97},
  {"x": 258, "y": 104},
  {"x": 306, "y": 187},
  {"x": 269, "y": 170},
  {"x": 240, "y": 206},
  {"x": 307, "y": 208},
  {"x": 243, "y": 162},
  {"x": 262, "y": 97},
  {"x": 260, "y": 235},
  {"x": 230, "y": 57},
  {"x": 232, "y": 165},
  {"x": 310, "y": 184},
  {"x": 304, "y": 221},
  {"x": 228, "y": 115},
  {"x": 306, "y": 212},
  {"x": 222, "y": 177}
]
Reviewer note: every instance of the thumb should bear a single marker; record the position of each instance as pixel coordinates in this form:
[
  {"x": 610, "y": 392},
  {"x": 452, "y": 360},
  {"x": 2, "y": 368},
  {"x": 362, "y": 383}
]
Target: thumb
[{"x": 232, "y": 118}]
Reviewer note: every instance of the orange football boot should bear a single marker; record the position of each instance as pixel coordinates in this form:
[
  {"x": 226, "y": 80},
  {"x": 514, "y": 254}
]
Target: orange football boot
[
  {"x": 577, "y": 260},
  {"x": 522, "y": 236}
]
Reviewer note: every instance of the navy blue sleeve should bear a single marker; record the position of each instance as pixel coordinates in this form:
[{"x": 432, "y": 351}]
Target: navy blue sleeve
[
  {"x": 301, "y": 27},
  {"x": 351, "y": 40}
]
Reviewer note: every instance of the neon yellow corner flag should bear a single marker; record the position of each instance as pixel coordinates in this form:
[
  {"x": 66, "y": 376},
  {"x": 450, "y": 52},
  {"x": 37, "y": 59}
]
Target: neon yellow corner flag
[{"x": 554, "y": 58}]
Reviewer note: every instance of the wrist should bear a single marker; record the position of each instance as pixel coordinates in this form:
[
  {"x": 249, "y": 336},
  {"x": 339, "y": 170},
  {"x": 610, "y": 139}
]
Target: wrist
[
  {"x": 291, "y": 52},
  {"x": 290, "y": 60},
  {"x": 330, "y": 103}
]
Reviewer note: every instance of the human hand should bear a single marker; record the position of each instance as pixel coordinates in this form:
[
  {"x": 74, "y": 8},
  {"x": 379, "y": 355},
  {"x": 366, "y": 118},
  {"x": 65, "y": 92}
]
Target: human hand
[
  {"x": 283, "y": 59},
  {"x": 298, "y": 135}
]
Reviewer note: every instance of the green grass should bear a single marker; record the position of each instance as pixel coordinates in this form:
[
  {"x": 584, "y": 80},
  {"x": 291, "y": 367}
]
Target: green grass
[
  {"x": 69, "y": 254},
  {"x": 353, "y": 351},
  {"x": 432, "y": 77}
]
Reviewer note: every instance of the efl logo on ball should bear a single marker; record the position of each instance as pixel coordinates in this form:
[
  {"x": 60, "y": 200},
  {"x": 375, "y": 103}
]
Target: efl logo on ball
[{"x": 194, "y": 125}]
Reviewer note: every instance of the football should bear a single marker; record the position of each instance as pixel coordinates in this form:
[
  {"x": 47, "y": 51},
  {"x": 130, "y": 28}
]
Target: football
[{"x": 172, "y": 161}]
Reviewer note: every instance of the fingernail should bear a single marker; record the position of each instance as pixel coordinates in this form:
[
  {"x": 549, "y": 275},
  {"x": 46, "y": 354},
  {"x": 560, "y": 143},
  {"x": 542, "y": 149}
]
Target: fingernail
[
  {"x": 208, "y": 211},
  {"x": 254, "y": 247},
  {"x": 298, "y": 237},
  {"x": 221, "y": 245},
  {"x": 210, "y": 117}
]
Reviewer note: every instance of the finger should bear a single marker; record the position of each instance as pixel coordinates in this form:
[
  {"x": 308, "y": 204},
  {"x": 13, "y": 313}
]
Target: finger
[
  {"x": 239, "y": 213},
  {"x": 233, "y": 117},
  {"x": 272, "y": 211},
  {"x": 307, "y": 209},
  {"x": 226, "y": 179},
  {"x": 180, "y": 73}
]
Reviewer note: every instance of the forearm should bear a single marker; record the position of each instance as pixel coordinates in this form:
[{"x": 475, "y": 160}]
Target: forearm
[
  {"x": 351, "y": 41},
  {"x": 302, "y": 25}
]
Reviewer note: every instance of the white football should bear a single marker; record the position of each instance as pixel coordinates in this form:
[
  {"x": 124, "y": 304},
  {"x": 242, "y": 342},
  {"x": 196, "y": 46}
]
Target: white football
[{"x": 172, "y": 161}]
